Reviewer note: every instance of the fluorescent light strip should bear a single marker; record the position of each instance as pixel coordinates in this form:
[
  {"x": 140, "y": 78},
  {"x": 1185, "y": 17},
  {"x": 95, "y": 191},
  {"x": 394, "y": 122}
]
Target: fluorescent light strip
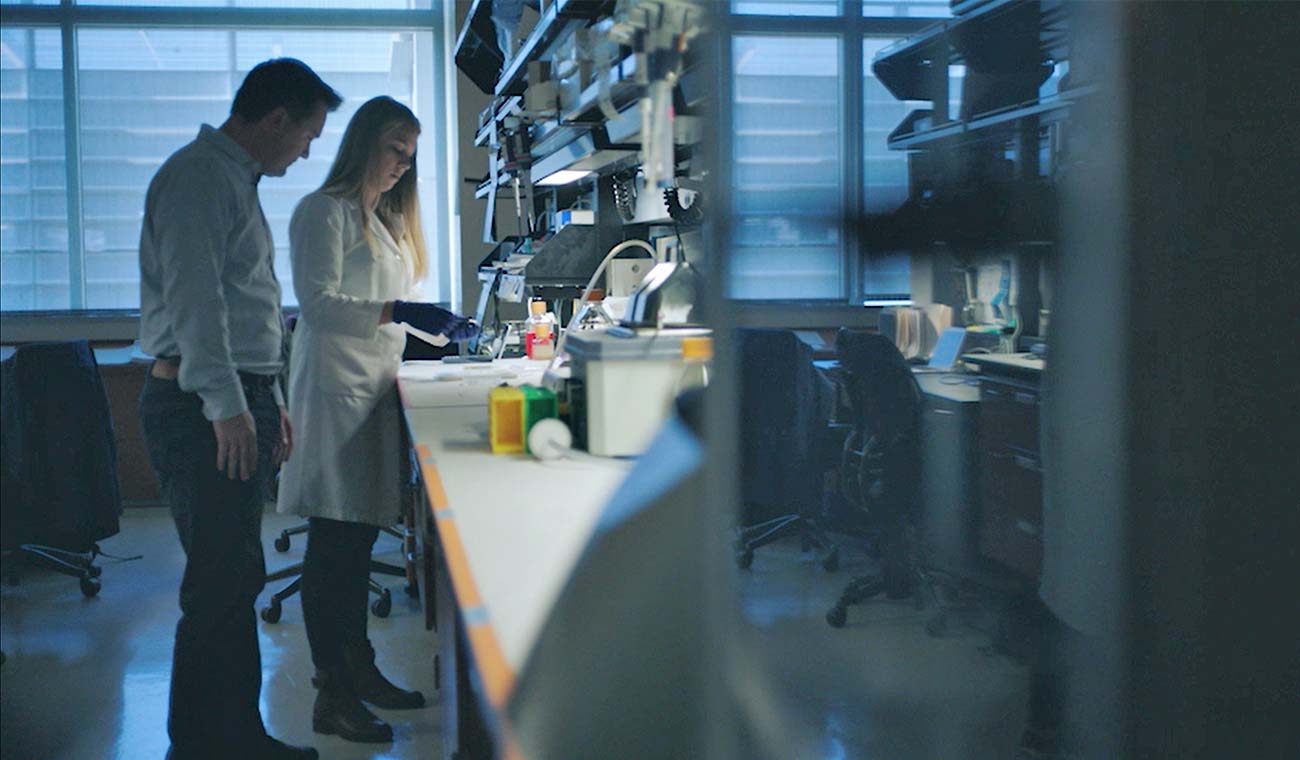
[{"x": 563, "y": 177}]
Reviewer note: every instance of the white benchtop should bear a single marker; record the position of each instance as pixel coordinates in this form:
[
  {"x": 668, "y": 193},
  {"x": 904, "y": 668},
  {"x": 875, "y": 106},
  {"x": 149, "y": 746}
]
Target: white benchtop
[{"x": 522, "y": 523}]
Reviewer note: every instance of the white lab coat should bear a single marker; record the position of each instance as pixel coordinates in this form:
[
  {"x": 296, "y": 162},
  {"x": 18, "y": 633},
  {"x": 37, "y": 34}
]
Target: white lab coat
[{"x": 347, "y": 459}]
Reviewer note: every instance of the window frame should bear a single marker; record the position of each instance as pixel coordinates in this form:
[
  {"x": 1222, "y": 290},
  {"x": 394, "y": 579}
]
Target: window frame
[
  {"x": 68, "y": 17},
  {"x": 850, "y": 28}
]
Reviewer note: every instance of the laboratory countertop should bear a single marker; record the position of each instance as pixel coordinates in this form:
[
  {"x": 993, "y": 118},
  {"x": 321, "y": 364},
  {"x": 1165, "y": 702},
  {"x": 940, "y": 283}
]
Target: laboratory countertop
[
  {"x": 512, "y": 527},
  {"x": 1024, "y": 364},
  {"x": 961, "y": 387},
  {"x": 953, "y": 386}
]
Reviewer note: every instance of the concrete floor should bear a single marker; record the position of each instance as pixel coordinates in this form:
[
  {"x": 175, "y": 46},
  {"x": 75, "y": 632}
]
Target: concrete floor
[
  {"x": 87, "y": 679},
  {"x": 881, "y": 686}
]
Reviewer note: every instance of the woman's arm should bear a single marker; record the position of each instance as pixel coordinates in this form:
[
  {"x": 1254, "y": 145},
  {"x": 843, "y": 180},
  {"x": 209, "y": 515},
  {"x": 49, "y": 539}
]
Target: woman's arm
[{"x": 316, "y": 253}]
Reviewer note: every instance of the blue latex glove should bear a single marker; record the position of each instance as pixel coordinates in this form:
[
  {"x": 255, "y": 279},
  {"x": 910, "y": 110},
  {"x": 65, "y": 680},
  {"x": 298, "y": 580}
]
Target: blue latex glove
[
  {"x": 465, "y": 329},
  {"x": 434, "y": 320}
]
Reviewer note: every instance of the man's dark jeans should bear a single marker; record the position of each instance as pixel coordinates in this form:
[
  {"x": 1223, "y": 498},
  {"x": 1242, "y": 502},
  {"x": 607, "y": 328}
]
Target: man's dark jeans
[{"x": 216, "y": 665}]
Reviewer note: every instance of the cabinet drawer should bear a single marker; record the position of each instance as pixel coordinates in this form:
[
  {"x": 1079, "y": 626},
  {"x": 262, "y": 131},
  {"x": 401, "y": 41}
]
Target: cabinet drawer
[
  {"x": 1011, "y": 522},
  {"x": 1008, "y": 416}
]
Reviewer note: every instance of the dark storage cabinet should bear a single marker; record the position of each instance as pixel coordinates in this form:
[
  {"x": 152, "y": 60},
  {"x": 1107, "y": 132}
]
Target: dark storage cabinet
[{"x": 1011, "y": 488}]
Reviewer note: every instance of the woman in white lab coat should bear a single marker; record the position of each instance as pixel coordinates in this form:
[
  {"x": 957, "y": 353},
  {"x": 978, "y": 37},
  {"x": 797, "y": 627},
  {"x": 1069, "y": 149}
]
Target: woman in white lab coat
[{"x": 356, "y": 251}]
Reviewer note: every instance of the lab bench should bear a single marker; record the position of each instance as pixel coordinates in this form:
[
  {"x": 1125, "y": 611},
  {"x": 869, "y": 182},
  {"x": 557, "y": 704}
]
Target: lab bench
[{"x": 500, "y": 535}]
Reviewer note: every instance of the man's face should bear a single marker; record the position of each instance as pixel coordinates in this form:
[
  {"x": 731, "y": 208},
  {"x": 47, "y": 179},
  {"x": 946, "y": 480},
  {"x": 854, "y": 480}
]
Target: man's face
[{"x": 290, "y": 140}]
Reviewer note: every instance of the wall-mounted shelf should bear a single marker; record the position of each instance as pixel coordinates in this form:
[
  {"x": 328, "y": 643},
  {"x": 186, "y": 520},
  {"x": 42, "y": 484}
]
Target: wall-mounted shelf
[
  {"x": 622, "y": 89},
  {"x": 916, "y": 131},
  {"x": 558, "y": 20},
  {"x": 981, "y": 175},
  {"x": 916, "y": 68},
  {"x": 512, "y": 106},
  {"x": 549, "y": 136}
]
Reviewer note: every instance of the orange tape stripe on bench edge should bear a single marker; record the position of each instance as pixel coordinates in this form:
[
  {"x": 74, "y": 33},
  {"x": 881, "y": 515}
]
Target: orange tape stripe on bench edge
[
  {"x": 498, "y": 678},
  {"x": 432, "y": 481}
]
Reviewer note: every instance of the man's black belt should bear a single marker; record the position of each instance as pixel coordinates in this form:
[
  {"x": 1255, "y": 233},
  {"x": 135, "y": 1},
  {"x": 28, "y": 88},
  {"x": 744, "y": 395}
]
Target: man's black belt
[
  {"x": 247, "y": 379},
  {"x": 256, "y": 381}
]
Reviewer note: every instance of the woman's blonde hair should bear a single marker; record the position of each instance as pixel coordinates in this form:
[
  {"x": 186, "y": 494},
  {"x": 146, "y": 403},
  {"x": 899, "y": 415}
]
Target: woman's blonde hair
[{"x": 369, "y": 126}]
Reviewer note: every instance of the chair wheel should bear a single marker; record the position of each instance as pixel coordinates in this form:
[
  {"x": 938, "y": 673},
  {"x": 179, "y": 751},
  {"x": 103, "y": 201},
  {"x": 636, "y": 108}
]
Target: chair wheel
[
  {"x": 832, "y": 561},
  {"x": 89, "y": 585},
  {"x": 94, "y": 571},
  {"x": 413, "y": 590},
  {"x": 282, "y": 543},
  {"x": 271, "y": 612},
  {"x": 837, "y": 617},
  {"x": 383, "y": 605},
  {"x": 745, "y": 559}
]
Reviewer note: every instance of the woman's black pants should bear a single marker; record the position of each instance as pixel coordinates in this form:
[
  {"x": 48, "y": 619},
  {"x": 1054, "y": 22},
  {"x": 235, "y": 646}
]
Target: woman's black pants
[{"x": 335, "y": 578}]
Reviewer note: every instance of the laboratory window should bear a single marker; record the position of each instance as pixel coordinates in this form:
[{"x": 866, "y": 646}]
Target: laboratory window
[
  {"x": 70, "y": 234},
  {"x": 786, "y": 168},
  {"x": 808, "y": 173}
]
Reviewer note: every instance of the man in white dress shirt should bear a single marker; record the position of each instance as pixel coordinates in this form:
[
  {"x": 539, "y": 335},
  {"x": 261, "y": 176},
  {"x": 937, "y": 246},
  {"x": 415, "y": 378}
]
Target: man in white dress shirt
[{"x": 212, "y": 409}]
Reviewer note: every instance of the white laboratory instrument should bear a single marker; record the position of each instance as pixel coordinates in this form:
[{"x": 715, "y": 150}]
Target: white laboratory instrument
[{"x": 626, "y": 382}]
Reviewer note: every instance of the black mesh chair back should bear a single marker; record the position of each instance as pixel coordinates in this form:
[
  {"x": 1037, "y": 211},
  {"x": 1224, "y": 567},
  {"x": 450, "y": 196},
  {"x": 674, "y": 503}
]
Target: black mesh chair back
[{"x": 881, "y": 459}]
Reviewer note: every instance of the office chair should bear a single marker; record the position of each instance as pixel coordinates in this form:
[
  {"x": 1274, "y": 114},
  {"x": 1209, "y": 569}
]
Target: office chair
[
  {"x": 879, "y": 471},
  {"x": 60, "y": 487},
  {"x": 380, "y": 606},
  {"x": 782, "y": 444}
]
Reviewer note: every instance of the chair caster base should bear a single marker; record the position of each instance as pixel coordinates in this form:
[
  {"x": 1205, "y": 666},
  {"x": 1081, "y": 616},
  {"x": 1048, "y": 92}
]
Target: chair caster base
[
  {"x": 271, "y": 613},
  {"x": 383, "y": 605}
]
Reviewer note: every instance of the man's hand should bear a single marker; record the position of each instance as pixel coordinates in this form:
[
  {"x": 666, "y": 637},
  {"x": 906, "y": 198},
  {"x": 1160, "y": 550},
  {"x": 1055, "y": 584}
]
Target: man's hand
[
  {"x": 285, "y": 447},
  {"x": 236, "y": 445}
]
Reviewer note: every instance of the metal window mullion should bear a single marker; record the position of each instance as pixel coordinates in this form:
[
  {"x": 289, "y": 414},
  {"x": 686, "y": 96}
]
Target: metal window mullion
[
  {"x": 72, "y": 166},
  {"x": 445, "y": 109},
  {"x": 232, "y": 64},
  {"x": 430, "y": 91},
  {"x": 851, "y": 141}
]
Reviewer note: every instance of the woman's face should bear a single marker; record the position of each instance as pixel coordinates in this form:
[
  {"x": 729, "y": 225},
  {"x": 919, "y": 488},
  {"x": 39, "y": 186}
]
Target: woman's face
[{"x": 393, "y": 158}]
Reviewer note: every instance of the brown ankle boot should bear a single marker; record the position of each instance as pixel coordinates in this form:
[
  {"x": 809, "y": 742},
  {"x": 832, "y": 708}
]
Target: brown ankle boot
[
  {"x": 338, "y": 710},
  {"x": 371, "y": 685}
]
